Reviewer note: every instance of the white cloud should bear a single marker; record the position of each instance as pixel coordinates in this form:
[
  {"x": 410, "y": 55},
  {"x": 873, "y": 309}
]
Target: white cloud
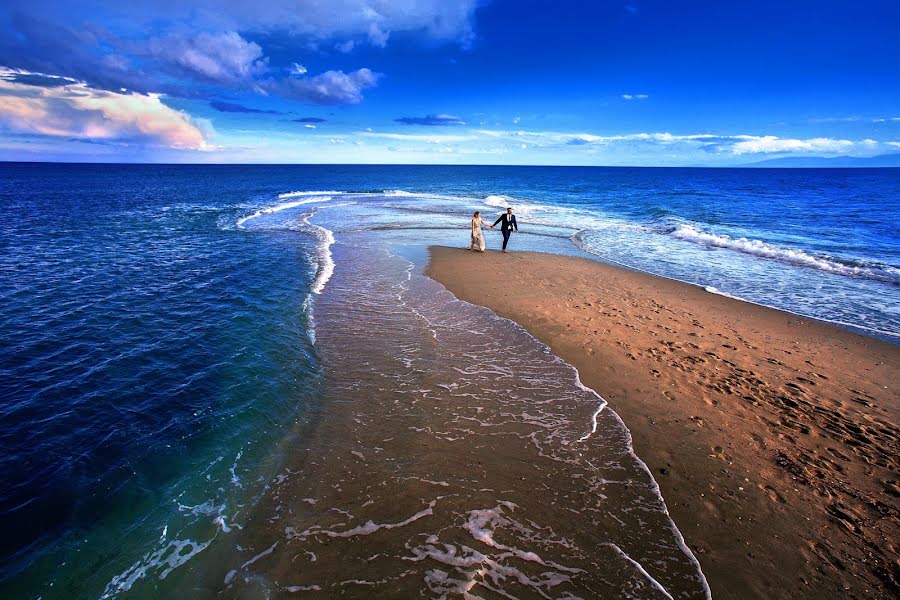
[
  {"x": 221, "y": 57},
  {"x": 345, "y": 47},
  {"x": 78, "y": 111},
  {"x": 516, "y": 120},
  {"x": 298, "y": 69},
  {"x": 772, "y": 144},
  {"x": 702, "y": 146},
  {"x": 310, "y": 126},
  {"x": 635, "y": 96},
  {"x": 330, "y": 87}
]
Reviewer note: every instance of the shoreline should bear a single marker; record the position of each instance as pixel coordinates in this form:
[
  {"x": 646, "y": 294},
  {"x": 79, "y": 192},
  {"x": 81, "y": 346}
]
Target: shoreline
[
  {"x": 746, "y": 415},
  {"x": 880, "y": 334}
]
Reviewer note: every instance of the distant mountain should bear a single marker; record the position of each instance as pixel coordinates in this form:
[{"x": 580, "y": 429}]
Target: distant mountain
[{"x": 841, "y": 162}]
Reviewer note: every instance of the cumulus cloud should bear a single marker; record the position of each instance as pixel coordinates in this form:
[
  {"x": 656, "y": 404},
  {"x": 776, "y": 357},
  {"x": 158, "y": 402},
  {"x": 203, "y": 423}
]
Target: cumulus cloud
[
  {"x": 40, "y": 35},
  {"x": 78, "y": 111},
  {"x": 192, "y": 48},
  {"x": 439, "y": 120},
  {"x": 330, "y": 87},
  {"x": 229, "y": 107},
  {"x": 221, "y": 57}
]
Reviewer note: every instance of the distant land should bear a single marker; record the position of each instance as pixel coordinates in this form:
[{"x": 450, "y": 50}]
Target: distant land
[{"x": 882, "y": 160}]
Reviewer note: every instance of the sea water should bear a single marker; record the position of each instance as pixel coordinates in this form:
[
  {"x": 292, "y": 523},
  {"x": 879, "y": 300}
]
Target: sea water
[{"x": 158, "y": 324}]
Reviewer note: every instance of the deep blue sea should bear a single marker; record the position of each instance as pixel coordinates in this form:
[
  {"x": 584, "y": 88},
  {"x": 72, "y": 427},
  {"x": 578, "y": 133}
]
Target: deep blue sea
[{"x": 158, "y": 323}]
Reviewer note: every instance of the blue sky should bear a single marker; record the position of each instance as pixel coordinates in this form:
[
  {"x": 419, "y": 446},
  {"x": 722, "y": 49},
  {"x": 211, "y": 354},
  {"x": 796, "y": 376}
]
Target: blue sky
[{"x": 633, "y": 82}]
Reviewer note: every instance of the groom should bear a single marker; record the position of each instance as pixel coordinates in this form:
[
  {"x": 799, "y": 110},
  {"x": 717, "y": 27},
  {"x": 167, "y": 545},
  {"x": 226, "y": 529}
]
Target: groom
[{"x": 509, "y": 222}]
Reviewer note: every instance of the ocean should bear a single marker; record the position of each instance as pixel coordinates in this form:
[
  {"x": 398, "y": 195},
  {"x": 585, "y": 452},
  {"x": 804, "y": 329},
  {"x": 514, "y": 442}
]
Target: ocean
[{"x": 176, "y": 342}]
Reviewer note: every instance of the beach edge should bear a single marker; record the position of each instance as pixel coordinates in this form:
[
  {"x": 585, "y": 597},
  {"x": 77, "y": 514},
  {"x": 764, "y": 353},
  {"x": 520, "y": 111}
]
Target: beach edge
[{"x": 732, "y": 438}]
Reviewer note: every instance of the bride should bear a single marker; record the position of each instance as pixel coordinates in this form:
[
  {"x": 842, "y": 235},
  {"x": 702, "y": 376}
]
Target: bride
[{"x": 477, "y": 235}]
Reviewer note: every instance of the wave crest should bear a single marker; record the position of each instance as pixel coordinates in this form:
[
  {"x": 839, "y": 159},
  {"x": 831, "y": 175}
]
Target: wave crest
[
  {"x": 283, "y": 206},
  {"x": 793, "y": 256}
]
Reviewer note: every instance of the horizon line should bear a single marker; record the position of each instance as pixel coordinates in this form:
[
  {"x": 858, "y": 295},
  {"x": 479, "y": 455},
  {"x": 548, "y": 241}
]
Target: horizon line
[{"x": 754, "y": 166}]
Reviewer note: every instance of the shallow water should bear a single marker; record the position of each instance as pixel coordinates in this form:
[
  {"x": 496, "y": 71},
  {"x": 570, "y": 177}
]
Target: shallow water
[{"x": 458, "y": 456}]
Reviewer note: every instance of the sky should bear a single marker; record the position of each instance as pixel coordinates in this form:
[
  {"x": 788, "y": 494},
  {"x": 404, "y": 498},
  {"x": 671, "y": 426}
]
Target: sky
[{"x": 603, "y": 82}]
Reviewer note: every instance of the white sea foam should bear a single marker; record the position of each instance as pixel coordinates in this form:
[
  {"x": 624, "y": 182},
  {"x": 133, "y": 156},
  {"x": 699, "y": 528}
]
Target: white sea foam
[
  {"x": 309, "y": 193},
  {"x": 325, "y": 260},
  {"x": 794, "y": 256},
  {"x": 641, "y": 570},
  {"x": 303, "y": 588},
  {"x": 406, "y": 194},
  {"x": 368, "y": 528},
  {"x": 280, "y": 207},
  {"x": 500, "y": 201},
  {"x": 163, "y": 560}
]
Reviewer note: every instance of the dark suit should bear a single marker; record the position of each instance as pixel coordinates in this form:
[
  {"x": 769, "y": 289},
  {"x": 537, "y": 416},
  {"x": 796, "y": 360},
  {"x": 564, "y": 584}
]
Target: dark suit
[{"x": 507, "y": 223}]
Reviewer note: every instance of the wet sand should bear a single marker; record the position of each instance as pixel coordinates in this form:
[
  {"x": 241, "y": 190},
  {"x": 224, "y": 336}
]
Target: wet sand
[{"x": 774, "y": 438}]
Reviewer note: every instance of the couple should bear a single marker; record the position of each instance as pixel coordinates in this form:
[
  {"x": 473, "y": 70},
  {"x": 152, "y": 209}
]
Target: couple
[{"x": 508, "y": 222}]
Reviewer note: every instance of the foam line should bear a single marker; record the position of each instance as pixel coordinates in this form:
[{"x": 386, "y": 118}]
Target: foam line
[
  {"x": 792, "y": 256},
  {"x": 280, "y": 207},
  {"x": 368, "y": 528},
  {"x": 296, "y": 194},
  {"x": 640, "y": 569},
  {"x": 326, "y": 260},
  {"x": 713, "y": 290}
]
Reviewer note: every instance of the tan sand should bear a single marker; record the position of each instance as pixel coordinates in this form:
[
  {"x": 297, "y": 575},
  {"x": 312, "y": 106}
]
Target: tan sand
[{"x": 774, "y": 438}]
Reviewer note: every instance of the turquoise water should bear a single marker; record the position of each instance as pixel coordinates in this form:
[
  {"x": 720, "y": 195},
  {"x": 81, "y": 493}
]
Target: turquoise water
[{"x": 157, "y": 323}]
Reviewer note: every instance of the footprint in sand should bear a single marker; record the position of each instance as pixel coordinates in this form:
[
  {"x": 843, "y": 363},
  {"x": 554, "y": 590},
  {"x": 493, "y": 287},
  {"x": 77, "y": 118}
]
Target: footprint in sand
[{"x": 773, "y": 494}]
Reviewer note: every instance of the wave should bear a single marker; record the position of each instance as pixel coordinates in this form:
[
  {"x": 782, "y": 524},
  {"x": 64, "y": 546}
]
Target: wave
[
  {"x": 325, "y": 260},
  {"x": 500, "y": 201},
  {"x": 283, "y": 206},
  {"x": 789, "y": 255},
  {"x": 309, "y": 193}
]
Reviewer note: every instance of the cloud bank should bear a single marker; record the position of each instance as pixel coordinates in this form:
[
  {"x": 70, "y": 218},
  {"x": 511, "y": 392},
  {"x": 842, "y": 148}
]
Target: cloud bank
[
  {"x": 175, "y": 47},
  {"x": 75, "y": 110}
]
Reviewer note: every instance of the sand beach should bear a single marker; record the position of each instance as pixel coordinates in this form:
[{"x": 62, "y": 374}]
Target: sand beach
[{"x": 773, "y": 437}]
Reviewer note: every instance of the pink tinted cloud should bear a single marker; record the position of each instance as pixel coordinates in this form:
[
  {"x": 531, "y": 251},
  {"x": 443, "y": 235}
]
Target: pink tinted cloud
[{"x": 78, "y": 111}]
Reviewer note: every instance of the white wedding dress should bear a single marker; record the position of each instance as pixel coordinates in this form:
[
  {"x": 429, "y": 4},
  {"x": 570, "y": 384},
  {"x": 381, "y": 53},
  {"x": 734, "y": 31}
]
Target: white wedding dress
[{"x": 477, "y": 235}]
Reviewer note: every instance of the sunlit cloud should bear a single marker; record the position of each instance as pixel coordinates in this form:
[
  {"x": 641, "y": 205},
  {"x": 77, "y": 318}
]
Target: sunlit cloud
[{"x": 78, "y": 111}]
